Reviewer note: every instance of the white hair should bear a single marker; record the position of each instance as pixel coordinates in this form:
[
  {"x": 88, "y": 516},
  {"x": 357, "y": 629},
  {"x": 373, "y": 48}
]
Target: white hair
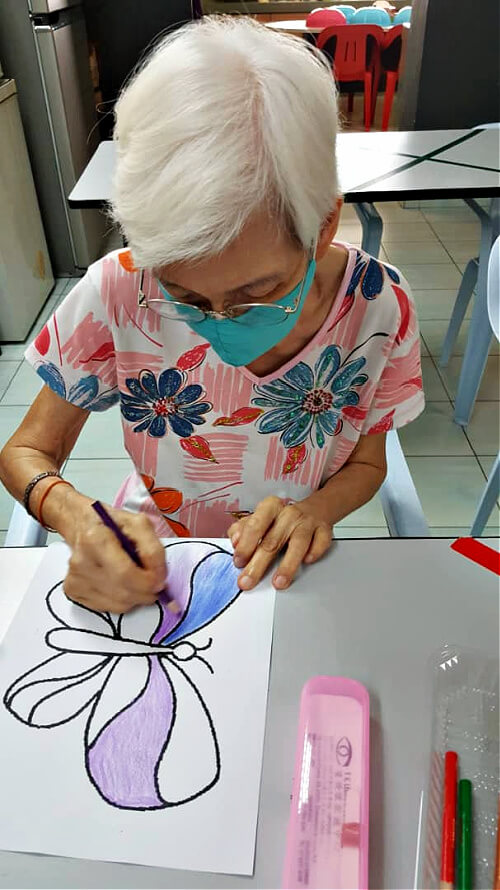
[{"x": 224, "y": 118}]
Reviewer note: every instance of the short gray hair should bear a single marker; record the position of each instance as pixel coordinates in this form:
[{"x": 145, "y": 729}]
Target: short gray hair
[{"x": 224, "y": 118}]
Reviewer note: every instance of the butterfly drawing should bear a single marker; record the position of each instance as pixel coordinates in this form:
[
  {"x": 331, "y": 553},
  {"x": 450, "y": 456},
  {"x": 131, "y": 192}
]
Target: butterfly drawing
[{"x": 128, "y": 674}]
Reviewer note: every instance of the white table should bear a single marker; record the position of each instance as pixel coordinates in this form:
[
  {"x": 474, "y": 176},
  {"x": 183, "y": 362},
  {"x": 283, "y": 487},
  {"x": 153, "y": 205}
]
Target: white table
[
  {"x": 375, "y": 610},
  {"x": 372, "y": 167}
]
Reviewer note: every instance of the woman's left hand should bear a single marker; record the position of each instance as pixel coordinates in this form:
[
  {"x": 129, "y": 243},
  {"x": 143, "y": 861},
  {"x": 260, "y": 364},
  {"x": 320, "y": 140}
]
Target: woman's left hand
[{"x": 298, "y": 528}]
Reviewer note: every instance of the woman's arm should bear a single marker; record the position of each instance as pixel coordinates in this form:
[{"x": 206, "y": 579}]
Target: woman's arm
[
  {"x": 305, "y": 527},
  {"x": 101, "y": 576}
]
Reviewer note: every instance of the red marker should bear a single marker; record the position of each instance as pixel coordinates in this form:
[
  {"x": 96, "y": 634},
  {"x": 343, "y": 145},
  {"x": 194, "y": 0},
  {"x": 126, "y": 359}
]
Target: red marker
[{"x": 449, "y": 824}]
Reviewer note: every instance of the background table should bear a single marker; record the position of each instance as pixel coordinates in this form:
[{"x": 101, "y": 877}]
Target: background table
[
  {"x": 392, "y": 166},
  {"x": 374, "y": 610}
]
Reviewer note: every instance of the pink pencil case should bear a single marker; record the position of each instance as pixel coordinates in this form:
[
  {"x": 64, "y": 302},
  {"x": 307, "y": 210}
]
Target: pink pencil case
[{"x": 327, "y": 839}]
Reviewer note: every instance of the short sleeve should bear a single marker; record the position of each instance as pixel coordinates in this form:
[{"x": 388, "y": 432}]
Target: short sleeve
[
  {"x": 399, "y": 396},
  {"x": 74, "y": 352}
]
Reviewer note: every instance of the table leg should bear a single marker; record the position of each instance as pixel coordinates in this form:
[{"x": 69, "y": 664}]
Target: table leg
[
  {"x": 480, "y": 333},
  {"x": 372, "y": 225}
]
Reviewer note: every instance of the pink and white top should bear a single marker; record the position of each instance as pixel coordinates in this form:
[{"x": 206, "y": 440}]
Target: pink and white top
[{"x": 208, "y": 440}]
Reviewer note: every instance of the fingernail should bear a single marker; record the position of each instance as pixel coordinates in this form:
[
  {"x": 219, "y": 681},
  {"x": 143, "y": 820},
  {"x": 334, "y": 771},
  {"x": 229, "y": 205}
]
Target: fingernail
[
  {"x": 281, "y": 581},
  {"x": 245, "y": 582},
  {"x": 239, "y": 561}
]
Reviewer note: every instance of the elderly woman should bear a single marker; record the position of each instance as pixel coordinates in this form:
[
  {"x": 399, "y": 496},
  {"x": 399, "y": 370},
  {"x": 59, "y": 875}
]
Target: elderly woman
[{"x": 257, "y": 362}]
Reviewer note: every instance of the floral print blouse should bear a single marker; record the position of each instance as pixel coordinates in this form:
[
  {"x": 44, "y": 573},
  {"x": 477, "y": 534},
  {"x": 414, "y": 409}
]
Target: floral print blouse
[{"x": 208, "y": 440}]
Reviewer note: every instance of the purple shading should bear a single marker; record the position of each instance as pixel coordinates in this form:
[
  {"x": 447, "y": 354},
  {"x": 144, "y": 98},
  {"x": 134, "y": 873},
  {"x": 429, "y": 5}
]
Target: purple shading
[
  {"x": 123, "y": 760},
  {"x": 182, "y": 559}
]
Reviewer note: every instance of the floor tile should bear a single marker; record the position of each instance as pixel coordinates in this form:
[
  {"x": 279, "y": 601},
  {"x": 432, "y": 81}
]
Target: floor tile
[
  {"x": 370, "y": 514},
  {"x": 490, "y": 384},
  {"x": 7, "y": 372},
  {"x": 348, "y": 215},
  {"x": 351, "y": 234},
  {"x": 24, "y": 388},
  {"x": 433, "y": 276},
  {"x": 461, "y": 214},
  {"x": 483, "y": 430},
  {"x": 457, "y": 231},
  {"x": 391, "y": 212},
  {"x": 413, "y": 252},
  {"x": 449, "y": 488},
  {"x": 347, "y": 531},
  {"x": 423, "y": 346},
  {"x": 486, "y": 462},
  {"x": 101, "y": 437},
  {"x": 98, "y": 478},
  {"x": 434, "y": 390},
  {"x": 436, "y": 303},
  {"x": 491, "y": 531},
  {"x": 434, "y": 433},
  {"x": 462, "y": 251},
  {"x": 12, "y": 352},
  {"x": 6, "y": 507},
  {"x": 434, "y": 331},
  {"x": 3, "y": 535},
  {"x": 396, "y": 231},
  {"x": 10, "y": 418}
]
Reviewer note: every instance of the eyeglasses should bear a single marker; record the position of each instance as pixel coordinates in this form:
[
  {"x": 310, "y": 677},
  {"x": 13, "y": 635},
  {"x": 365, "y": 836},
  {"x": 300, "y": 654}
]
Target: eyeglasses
[{"x": 249, "y": 314}]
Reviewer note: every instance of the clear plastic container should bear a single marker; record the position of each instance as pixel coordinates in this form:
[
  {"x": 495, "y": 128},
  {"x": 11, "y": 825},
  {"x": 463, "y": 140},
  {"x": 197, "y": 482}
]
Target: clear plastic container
[{"x": 466, "y": 720}]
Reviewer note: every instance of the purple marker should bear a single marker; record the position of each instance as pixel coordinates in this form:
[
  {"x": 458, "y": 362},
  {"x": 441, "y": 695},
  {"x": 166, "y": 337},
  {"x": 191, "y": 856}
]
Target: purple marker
[{"x": 131, "y": 550}]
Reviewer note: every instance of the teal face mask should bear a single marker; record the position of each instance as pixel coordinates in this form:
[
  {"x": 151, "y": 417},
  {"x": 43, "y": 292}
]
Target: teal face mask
[{"x": 239, "y": 340}]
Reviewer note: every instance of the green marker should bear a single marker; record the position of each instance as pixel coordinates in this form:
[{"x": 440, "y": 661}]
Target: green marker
[{"x": 464, "y": 836}]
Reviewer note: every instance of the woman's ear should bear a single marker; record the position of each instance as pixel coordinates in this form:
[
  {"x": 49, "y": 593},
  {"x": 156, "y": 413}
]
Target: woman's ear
[{"x": 328, "y": 230}]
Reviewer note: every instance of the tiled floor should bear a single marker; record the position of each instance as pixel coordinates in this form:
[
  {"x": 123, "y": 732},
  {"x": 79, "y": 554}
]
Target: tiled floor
[{"x": 431, "y": 245}]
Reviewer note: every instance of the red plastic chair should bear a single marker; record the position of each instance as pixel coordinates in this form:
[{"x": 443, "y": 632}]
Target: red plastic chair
[
  {"x": 390, "y": 57},
  {"x": 355, "y": 53}
]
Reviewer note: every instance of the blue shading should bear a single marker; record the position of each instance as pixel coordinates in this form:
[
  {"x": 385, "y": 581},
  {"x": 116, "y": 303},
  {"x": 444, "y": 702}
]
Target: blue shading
[{"x": 214, "y": 587}]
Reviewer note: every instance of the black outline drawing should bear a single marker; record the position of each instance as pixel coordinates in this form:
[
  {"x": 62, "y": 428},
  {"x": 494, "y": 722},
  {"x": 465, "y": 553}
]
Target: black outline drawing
[{"x": 108, "y": 654}]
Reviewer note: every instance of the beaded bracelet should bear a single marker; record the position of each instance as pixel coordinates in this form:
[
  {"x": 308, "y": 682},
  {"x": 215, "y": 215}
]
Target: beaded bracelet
[{"x": 30, "y": 486}]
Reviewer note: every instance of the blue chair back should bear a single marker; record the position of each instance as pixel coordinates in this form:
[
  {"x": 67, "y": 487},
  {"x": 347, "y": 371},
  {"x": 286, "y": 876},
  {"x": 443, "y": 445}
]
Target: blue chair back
[
  {"x": 347, "y": 10},
  {"x": 402, "y": 16},
  {"x": 371, "y": 15}
]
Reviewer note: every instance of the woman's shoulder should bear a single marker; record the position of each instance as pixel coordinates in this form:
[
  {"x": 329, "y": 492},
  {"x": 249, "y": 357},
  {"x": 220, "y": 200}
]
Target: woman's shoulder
[{"x": 117, "y": 264}]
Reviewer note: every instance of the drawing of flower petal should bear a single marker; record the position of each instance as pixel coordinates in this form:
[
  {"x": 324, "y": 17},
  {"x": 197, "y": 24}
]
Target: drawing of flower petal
[
  {"x": 384, "y": 424},
  {"x": 126, "y": 261},
  {"x": 52, "y": 377},
  {"x": 294, "y": 457},
  {"x": 193, "y": 358},
  {"x": 58, "y": 689},
  {"x": 404, "y": 308},
  {"x": 42, "y": 342},
  {"x": 182, "y": 558},
  {"x": 168, "y": 500},
  {"x": 198, "y": 447},
  {"x": 105, "y": 352},
  {"x": 122, "y": 760},
  {"x": 140, "y": 624},
  {"x": 177, "y": 780},
  {"x": 73, "y": 615},
  {"x": 213, "y": 588},
  {"x": 239, "y": 417}
]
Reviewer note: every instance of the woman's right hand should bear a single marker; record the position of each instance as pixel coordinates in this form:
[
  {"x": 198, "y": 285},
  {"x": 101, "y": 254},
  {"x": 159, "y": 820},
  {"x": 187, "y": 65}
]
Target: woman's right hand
[{"x": 101, "y": 575}]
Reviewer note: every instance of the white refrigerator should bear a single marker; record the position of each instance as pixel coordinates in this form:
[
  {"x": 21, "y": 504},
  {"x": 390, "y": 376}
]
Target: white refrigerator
[
  {"x": 44, "y": 48},
  {"x": 25, "y": 270}
]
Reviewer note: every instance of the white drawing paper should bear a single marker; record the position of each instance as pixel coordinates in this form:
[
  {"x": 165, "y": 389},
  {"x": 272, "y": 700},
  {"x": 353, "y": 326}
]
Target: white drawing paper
[{"x": 137, "y": 738}]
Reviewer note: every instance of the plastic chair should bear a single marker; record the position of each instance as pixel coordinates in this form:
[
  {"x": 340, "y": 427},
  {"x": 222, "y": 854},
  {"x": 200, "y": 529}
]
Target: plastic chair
[
  {"x": 402, "y": 509},
  {"x": 371, "y": 15},
  {"x": 390, "y": 57},
  {"x": 355, "y": 54},
  {"x": 402, "y": 16},
  {"x": 324, "y": 18},
  {"x": 347, "y": 10},
  {"x": 492, "y": 489}
]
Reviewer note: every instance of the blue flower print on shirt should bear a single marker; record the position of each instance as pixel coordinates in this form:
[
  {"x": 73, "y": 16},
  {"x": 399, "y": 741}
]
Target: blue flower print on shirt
[
  {"x": 153, "y": 403},
  {"x": 305, "y": 401},
  {"x": 370, "y": 274},
  {"x": 85, "y": 393}
]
